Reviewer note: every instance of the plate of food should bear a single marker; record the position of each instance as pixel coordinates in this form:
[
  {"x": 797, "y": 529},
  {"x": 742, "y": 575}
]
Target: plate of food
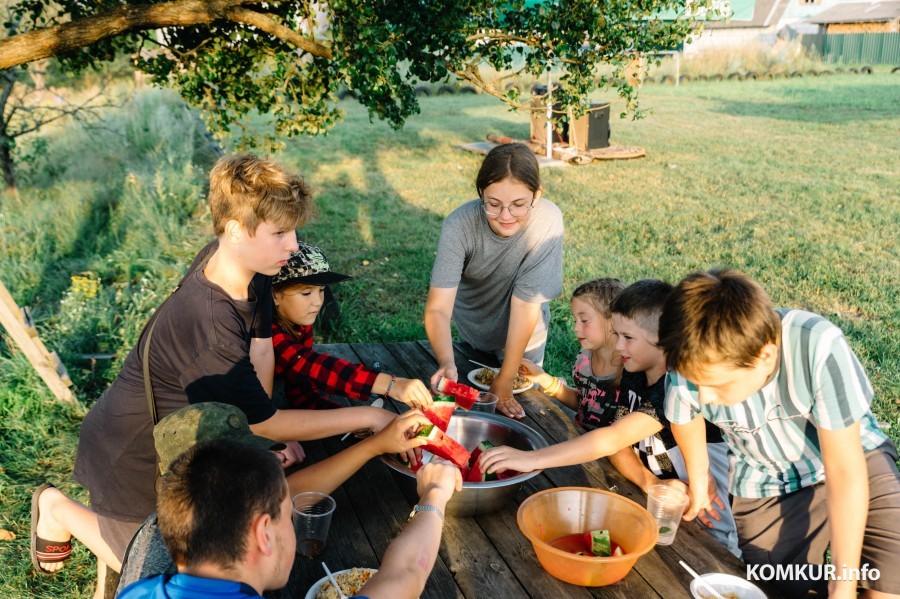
[
  {"x": 484, "y": 377},
  {"x": 351, "y": 580}
]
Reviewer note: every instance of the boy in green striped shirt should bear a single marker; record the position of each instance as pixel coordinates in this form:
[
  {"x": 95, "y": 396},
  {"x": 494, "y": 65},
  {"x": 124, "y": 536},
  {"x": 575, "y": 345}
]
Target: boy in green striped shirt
[{"x": 808, "y": 464}]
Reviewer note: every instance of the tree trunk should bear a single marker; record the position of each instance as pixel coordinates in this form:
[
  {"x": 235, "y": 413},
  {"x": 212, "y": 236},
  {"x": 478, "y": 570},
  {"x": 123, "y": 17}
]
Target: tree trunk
[{"x": 6, "y": 162}]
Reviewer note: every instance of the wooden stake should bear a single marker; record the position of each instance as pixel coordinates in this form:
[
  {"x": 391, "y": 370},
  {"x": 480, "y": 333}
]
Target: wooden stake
[{"x": 44, "y": 362}]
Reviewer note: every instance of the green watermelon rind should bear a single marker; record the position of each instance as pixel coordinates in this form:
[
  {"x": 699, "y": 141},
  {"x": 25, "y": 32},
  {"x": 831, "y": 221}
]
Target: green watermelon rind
[{"x": 601, "y": 545}]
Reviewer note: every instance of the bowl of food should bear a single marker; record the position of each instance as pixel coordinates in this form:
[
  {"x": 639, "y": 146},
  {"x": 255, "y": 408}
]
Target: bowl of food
[
  {"x": 471, "y": 430},
  {"x": 567, "y": 526},
  {"x": 730, "y": 587},
  {"x": 350, "y": 581},
  {"x": 483, "y": 378}
]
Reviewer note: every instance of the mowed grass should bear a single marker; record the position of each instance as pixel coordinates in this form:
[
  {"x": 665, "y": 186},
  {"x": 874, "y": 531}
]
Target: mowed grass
[{"x": 792, "y": 181}]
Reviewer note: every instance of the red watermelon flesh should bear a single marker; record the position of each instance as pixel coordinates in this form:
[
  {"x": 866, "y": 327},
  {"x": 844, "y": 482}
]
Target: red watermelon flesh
[
  {"x": 479, "y": 449},
  {"x": 444, "y": 446},
  {"x": 477, "y": 476},
  {"x": 465, "y": 395},
  {"x": 440, "y": 412},
  {"x": 507, "y": 474},
  {"x": 415, "y": 467}
]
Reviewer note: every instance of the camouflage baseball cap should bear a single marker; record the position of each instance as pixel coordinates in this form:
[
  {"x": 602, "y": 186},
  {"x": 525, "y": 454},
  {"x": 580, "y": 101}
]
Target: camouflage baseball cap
[
  {"x": 181, "y": 430},
  {"x": 308, "y": 266}
]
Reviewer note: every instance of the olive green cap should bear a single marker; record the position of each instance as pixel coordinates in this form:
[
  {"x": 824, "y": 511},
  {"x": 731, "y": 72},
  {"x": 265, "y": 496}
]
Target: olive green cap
[{"x": 181, "y": 430}]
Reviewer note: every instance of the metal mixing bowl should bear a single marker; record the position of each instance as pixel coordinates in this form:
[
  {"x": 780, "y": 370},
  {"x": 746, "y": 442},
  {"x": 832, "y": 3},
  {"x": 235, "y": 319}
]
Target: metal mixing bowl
[{"x": 469, "y": 429}]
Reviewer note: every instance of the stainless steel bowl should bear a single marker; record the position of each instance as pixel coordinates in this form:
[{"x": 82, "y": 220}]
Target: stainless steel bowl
[{"x": 469, "y": 429}]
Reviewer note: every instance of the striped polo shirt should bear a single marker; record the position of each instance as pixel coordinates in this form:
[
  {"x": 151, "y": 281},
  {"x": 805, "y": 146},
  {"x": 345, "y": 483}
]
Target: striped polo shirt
[{"x": 773, "y": 445}]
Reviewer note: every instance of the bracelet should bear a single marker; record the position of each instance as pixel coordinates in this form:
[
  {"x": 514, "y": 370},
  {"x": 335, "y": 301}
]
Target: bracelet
[
  {"x": 426, "y": 508},
  {"x": 553, "y": 388},
  {"x": 387, "y": 392}
]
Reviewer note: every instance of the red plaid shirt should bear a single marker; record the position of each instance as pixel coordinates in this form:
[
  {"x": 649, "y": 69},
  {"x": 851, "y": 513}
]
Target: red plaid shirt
[{"x": 308, "y": 375}]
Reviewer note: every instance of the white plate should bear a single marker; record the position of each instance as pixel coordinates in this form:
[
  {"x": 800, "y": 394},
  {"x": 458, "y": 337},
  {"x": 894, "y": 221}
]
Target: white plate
[
  {"x": 314, "y": 589},
  {"x": 726, "y": 583},
  {"x": 475, "y": 383}
]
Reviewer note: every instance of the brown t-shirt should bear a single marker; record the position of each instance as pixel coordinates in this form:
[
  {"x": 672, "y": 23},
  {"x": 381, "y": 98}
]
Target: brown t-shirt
[{"x": 200, "y": 351}]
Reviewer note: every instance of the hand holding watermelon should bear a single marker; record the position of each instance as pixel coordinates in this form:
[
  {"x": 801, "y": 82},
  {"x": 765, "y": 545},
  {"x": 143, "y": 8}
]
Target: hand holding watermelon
[
  {"x": 412, "y": 392},
  {"x": 445, "y": 370},
  {"x": 400, "y": 436}
]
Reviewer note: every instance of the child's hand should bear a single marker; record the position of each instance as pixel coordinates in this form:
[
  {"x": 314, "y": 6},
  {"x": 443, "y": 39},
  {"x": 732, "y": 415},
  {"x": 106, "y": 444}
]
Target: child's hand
[
  {"x": 412, "y": 392},
  {"x": 446, "y": 370},
  {"x": 292, "y": 454},
  {"x": 440, "y": 478},
  {"x": 700, "y": 501},
  {"x": 716, "y": 503},
  {"x": 503, "y": 458},
  {"x": 706, "y": 515},
  {"x": 670, "y": 482},
  {"x": 400, "y": 436},
  {"x": 530, "y": 370}
]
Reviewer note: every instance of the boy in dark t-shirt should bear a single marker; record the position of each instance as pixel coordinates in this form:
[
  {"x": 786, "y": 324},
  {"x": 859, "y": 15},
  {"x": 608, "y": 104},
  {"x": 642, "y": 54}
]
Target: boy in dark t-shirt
[{"x": 210, "y": 340}]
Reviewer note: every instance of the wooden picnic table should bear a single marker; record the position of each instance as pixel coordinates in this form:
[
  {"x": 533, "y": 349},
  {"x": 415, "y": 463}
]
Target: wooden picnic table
[{"x": 487, "y": 556}]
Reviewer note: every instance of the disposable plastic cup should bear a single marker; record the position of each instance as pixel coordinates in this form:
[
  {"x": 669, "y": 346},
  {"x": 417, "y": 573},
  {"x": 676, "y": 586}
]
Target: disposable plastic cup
[
  {"x": 312, "y": 518},
  {"x": 666, "y": 504},
  {"x": 486, "y": 402}
]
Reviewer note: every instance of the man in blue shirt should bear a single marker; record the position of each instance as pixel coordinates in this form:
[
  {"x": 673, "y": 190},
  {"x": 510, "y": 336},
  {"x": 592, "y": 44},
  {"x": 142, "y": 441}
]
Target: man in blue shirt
[{"x": 224, "y": 510}]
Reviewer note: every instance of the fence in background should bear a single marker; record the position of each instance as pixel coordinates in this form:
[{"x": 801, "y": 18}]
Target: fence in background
[{"x": 855, "y": 48}]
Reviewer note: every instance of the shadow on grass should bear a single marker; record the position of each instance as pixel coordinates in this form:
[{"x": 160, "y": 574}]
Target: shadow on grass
[{"x": 835, "y": 105}]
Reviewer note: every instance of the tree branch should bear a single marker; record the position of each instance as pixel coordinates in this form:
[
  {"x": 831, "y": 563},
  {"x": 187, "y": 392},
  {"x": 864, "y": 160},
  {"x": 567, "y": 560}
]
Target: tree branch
[
  {"x": 285, "y": 34},
  {"x": 68, "y": 37}
]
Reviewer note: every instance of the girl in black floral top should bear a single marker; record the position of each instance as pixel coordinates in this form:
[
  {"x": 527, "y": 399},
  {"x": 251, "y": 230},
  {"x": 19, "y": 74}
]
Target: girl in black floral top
[{"x": 598, "y": 368}]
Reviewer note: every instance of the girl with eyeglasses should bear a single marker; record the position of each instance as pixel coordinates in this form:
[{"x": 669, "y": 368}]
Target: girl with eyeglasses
[{"x": 498, "y": 264}]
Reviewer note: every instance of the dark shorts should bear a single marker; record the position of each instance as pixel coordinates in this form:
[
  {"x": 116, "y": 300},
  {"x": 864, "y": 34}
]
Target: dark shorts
[
  {"x": 117, "y": 534},
  {"x": 793, "y": 528}
]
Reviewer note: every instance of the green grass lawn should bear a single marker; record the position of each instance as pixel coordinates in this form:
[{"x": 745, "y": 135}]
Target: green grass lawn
[{"x": 792, "y": 181}]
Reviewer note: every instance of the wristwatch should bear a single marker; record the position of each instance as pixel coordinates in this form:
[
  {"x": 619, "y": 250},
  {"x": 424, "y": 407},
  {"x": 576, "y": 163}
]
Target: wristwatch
[{"x": 425, "y": 508}]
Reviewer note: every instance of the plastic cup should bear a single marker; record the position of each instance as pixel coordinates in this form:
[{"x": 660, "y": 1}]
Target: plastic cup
[
  {"x": 312, "y": 518},
  {"x": 486, "y": 402},
  {"x": 666, "y": 504}
]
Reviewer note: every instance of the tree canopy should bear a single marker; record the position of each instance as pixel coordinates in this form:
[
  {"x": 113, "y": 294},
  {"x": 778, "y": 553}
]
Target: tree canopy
[{"x": 290, "y": 59}]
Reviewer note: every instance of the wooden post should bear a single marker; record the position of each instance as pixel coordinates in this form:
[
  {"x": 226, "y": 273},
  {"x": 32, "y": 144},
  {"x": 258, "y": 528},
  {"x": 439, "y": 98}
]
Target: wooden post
[{"x": 25, "y": 337}]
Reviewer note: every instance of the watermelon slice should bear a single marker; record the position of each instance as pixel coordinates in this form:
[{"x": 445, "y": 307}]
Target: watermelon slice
[
  {"x": 444, "y": 446},
  {"x": 411, "y": 467},
  {"x": 479, "y": 449},
  {"x": 600, "y": 545},
  {"x": 507, "y": 474},
  {"x": 440, "y": 412},
  {"x": 464, "y": 395},
  {"x": 477, "y": 476}
]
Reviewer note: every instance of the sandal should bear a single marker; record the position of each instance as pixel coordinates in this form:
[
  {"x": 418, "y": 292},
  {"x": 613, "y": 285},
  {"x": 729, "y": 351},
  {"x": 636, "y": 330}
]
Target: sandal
[{"x": 43, "y": 550}]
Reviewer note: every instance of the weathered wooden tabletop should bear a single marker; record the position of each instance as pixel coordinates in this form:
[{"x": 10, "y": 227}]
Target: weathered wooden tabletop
[{"x": 487, "y": 556}]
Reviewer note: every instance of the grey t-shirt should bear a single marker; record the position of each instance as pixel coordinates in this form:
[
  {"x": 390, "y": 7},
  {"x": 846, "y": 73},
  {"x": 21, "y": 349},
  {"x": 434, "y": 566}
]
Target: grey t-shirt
[{"x": 488, "y": 270}]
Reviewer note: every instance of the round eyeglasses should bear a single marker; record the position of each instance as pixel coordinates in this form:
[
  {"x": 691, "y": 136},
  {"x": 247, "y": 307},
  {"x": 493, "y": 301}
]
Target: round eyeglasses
[{"x": 515, "y": 210}]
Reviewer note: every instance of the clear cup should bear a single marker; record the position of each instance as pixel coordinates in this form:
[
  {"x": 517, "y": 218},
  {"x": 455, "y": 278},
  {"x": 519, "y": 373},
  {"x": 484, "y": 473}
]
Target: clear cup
[
  {"x": 312, "y": 518},
  {"x": 667, "y": 505},
  {"x": 486, "y": 402}
]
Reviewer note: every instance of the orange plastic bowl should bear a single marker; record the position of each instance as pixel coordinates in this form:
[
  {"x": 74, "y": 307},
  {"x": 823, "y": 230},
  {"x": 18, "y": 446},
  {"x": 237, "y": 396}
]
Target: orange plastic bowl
[{"x": 551, "y": 514}]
